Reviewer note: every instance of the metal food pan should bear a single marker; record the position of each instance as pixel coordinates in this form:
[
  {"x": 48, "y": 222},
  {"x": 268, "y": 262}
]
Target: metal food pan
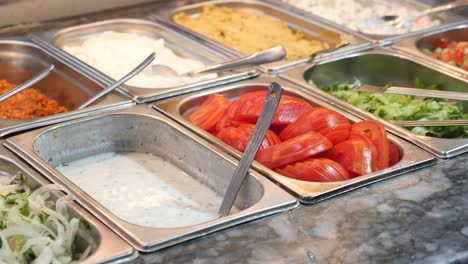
[
  {"x": 414, "y": 45},
  {"x": 105, "y": 245},
  {"x": 20, "y": 60},
  {"x": 379, "y": 67},
  {"x": 141, "y": 129},
  {"x": 178, "y": 42},
  {"x": 312, "y": 29},
  {"x": 308, "y": 192},
  {"x": 446, "y": 19}
]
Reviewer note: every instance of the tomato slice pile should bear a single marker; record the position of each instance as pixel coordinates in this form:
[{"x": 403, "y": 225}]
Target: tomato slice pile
[{"x": 304, "y": 143}]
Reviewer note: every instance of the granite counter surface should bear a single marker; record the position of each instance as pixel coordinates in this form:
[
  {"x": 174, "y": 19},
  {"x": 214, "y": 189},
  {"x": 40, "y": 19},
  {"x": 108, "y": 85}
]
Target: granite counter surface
[{"x": 418, "y": 217}]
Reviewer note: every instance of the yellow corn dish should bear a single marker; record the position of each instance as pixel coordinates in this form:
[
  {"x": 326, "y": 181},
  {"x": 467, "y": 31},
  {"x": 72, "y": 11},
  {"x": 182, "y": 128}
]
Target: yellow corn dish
[{"x": 248, "y": 32}]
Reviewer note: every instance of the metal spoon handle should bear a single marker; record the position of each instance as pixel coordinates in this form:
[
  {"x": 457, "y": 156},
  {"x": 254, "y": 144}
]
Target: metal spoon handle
[
  {"x": 444, "y": 7},
  {"x": 263, "y": 124},
  {"x": 329, "y": 50},
  {"x": 404, "y": 123},
  {"x": 122, "y": 80},
  {"x": 41, "y": 75},
  {"x": 428, "y": 93},
  {"x": 261, "y": 57},
  {"x": 433, "y": 10}
]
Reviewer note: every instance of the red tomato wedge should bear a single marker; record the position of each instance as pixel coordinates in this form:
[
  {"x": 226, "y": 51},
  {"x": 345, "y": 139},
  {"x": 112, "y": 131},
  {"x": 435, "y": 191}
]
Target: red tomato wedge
[
  {"x": 393, "y": 154},
  {"x": 357, "y": 154},
  {"x": 319, "y": 119},
  {"x": 230, "y": 116},
  {"x": 239, "y": 136},
  {"x": 208, "y": 114},
  {"x": 294, "y": 149},
  {"x": 337, "y": 133},
  {"x": 377, "y": 134},
  {"x": 315, "y": 170},
  {"x": 289, "y": 110}
]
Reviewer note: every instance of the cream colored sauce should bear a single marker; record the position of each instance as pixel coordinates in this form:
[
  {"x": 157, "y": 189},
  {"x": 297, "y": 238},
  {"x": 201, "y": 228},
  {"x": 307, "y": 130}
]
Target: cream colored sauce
[
  {"x": 144, "y": 189},
  {"x": 115, "y": 54}
]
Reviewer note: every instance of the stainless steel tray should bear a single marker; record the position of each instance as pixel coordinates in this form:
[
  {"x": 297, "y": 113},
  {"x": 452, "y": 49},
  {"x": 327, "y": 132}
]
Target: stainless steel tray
[
  {"x": 308, "y": 192},
  {"x": 379, "y": 67},
  {"x": 311, "y": 28},
  {"x": 414, "y": 45},
  {"x": 145, "y": 130},
  {"x": 21, "y": 59},
  {"x": 447, "y": 19},
  {"x": 181, "y": 44},
  {"x": 105, "y": 245}
]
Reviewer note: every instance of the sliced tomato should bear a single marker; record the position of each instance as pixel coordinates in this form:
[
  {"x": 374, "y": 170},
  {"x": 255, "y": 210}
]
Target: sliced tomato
[
  {"x": 337, "y": 133},
  {"x": 289, "y": 109},
  {"x": 375, "y": 132},
  {"x": 316, "y": 170},
  {"x": 231, "y": 116},
  {"x": 239, "y": 136},
  {"x": 394, "y": 154},
  {"x": 357, "y": 154},
  {"x": 318, "y": 119},
  {"x": 294, "y": 149},
  {"x": 208, "y": 114}
]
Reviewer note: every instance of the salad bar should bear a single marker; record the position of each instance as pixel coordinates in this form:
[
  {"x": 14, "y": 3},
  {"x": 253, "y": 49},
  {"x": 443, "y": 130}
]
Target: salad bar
[{"x": 343, "y": 175}]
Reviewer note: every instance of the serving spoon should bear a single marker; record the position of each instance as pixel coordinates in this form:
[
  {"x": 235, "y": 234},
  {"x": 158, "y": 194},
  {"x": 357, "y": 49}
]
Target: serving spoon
[
  {"x": 399, "y": 21},
  {"x": 261, "y": 57},
  {"x": 119, "y": 82},
  {"x": 261, "y": 128},
  {"x": 41, "y": 75}
]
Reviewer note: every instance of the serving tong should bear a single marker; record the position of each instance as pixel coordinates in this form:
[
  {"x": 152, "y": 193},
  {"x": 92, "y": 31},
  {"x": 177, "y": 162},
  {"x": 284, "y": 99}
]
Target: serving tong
[
  {"x": 410, "y": 91},
  {"x": 272, "y": 100},
  {"x": 421, "y": 93},
  {"x": 399, "y": 21},
  {"x": 119, "y": 82},
  {"x": 35, "y": 79},
  {"x": 266, "y": 56}
]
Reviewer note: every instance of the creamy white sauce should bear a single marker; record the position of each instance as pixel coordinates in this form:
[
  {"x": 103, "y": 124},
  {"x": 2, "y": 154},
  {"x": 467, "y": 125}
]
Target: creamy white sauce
[
  {"x": 144, "y": 189},
  {"x": 115, "y": 54},
  {"x": 360, "y": 14}
]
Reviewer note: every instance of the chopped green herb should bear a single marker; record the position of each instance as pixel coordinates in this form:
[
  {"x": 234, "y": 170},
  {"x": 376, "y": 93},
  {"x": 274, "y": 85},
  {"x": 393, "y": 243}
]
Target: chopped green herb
[{"x": 85, "y": 223}]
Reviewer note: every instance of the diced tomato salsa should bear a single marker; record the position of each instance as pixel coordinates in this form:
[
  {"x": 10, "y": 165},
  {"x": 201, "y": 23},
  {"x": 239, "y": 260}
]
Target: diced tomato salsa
[
  {"x": 450, "y": 51},
  {"x": 28, "y": 104}
]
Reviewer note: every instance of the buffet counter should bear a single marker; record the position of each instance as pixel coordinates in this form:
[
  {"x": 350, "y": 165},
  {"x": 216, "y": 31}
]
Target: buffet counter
[{"x": 409, "y": 205}]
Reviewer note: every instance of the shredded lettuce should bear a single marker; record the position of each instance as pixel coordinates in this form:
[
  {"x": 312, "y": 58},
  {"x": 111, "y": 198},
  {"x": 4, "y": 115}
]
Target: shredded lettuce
[
  {"x": 33, "y": 228},
  {"x": 402, "y": 107}
]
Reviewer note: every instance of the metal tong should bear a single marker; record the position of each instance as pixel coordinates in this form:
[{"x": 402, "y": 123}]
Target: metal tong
[
  {"x": 411, "y": 91},
  {"x": 429, "y": 123},
  {"x": 257, "y": 58},
  {"x": 263, "y": 124},
  {"x": 119, "y": 82},
  {"x": 41, "y": 75}
]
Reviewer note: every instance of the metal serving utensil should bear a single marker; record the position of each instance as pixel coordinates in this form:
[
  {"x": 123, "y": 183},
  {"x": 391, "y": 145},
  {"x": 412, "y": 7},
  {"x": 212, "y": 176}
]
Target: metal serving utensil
[
  {"x": 427, "y": 123},
  {"x": 122, "y": 80},
  {"x": 41, "y": 75},
  {"x": 263, "y": 124},
  {"x": 317, "y": 54},
  {"x": 261, "y": 57},
  {"x": 399, "y": 21},
  {"x": 410, "y": 91}
]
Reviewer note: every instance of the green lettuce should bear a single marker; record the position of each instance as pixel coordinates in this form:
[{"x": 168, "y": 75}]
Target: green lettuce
[{"x": 403, "y": 107}]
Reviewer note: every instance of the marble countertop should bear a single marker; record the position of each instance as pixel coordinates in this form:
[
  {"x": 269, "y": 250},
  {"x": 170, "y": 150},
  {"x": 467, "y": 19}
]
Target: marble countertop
[{"x": 417, "y": 217}]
